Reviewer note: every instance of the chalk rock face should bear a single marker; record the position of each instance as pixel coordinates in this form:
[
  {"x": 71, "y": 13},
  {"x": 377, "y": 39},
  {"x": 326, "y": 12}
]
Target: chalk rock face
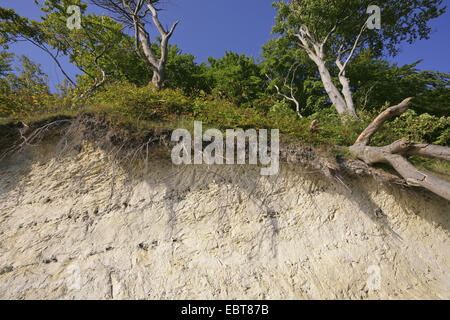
[{"x": 88, "y": 226}]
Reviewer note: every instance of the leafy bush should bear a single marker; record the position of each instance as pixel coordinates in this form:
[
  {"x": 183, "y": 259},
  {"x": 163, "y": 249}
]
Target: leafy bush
[
  {"x": 416, "y": 127},
  {"x": 144, "y": 103},
  {"x": 423, "y": 127},
  {"x": 237, "y": 78},
  {"x": 29, "y": 95}
]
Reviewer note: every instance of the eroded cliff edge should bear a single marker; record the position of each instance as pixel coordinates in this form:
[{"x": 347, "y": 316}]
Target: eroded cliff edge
[{"x": 85, "y": 223}]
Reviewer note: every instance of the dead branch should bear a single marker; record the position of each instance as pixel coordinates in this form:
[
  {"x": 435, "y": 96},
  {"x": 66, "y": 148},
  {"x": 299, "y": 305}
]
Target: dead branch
[
  {"x": 429, "y": 151},
  {"x": 290, "y": 87},
  {"x": 395, "y": 154},
  {"x": 98, "y": 83}
]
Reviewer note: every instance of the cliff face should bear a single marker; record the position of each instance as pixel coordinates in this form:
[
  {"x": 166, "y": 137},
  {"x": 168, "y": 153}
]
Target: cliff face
[{"x": 84, "y": 225}]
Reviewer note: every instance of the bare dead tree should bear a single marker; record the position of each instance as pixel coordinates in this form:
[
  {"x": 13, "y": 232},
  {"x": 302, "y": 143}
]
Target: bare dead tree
[
  {"x": 135, "y": 14},
  {"x": 395, "y": 154}
]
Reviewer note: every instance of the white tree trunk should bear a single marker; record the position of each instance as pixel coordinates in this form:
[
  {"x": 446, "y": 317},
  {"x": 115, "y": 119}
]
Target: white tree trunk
[
  {"x": 332, "y": 91},
  {"x": 342, "y": 101},
  {"x": 142, "y": 40},
  {"x": 158, "y": 77},
  {"x": 157, "y": 65},
  {"x": 347, "y": 92}
]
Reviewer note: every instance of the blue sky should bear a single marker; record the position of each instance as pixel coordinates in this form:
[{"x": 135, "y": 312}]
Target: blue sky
[{"x": 211, "y": 27}]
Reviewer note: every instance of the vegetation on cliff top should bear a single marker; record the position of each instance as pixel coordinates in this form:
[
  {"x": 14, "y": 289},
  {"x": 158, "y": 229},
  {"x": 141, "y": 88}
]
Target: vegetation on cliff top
[{"x": 146, "y": 84}]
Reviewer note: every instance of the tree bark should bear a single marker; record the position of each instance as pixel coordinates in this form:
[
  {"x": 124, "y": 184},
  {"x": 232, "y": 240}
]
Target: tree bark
[
  {"x": 332, "y": 91},
  {"x": 142, "y": 40},
  {"x": 429, "y": 151},
  {"x": 159, "y": 68},
  {"x": 158, "y": 77},
  {"x": 346, "y": 91},
  {"x": 342, "y": 101},
  {"x": 395, "y": 153}
]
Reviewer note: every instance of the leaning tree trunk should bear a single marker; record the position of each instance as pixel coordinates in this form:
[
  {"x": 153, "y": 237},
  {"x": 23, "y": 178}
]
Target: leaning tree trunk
[
  {"x": 332, "y": 91},
  {"x": 395, "y": 154},
  {"x": 347, "y": 92}
]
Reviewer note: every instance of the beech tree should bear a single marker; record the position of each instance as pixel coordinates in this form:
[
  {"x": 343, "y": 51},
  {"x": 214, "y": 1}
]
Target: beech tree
[
  {"x": 334, "y": 32},
  {"x": 14, "y": 28},
  {"x": 135, "y": 13},
  {"x": 99, "y": 48},
  {"x": 293, "y": 76}
]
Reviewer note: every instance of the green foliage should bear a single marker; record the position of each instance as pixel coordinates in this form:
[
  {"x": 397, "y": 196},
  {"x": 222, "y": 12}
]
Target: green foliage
[
  {"x": 5, "y": 63},
  {"x": 333, "y": 130},
  {"x": 329, "y": 32},
  {"x": 287, "y": 66},
  {"x": 25, "y": 93},
  {"x": 68, "y": 97},
  {"x": 423, "y": 127},
  {"x": 133, "y": 104},
  {"x": 402, "y": 21},
  {"x": 237, "y": 78},
  {"x": 417, "y": 127},
  {"x": 99, "y": 46},
  {"x": 144, "y": 103},
  {"x": 60, "y": 5},
  {"x": 182, "y": 71},
  {"x": 225, "y": 114},
  {"x": 13, "y": 27},
  {"x": 376, "y": 82}
]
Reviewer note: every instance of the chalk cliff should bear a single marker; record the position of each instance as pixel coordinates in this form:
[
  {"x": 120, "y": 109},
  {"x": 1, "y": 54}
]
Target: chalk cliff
[{"x": 87, "y": 224}]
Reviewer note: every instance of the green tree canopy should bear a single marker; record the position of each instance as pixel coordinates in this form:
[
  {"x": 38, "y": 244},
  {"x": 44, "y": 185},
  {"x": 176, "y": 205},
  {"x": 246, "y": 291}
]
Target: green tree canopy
[
  {"x": 376, "y": 81},
  {"x": 236, "y": 77},
  {"x": 333, "y": 32}
]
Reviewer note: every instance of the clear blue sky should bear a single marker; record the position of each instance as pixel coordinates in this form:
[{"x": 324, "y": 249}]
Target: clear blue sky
[{"x": 210, "y": 27}]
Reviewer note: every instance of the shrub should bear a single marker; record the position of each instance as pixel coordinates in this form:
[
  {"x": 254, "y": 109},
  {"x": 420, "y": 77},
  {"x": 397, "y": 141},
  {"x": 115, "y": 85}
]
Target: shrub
[
  {"x": 145, "y": 103},
  {"x": 423, "y": 127}
]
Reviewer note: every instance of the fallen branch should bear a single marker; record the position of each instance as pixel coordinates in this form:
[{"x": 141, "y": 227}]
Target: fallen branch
[{"x": 395, "y": 154}]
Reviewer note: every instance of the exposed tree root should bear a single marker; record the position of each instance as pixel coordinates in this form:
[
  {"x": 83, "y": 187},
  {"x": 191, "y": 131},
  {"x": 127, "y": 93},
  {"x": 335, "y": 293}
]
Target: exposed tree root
[
  {"x": 32, "y": 138},
  {"x": 395, "y": 154}
]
